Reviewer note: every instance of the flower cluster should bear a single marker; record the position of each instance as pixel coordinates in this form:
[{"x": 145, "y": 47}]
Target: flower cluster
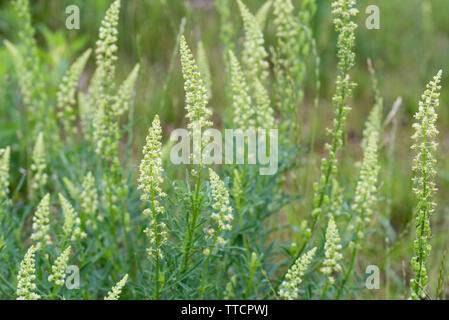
[
  {"x": 332, "y": 250},
  {"x": 424, "y": 184},
  {"x": 241, "y": 101},
  {"x": 106, "y": 44},
  {"x": 150, "y": 180},
  {"x": 254, "y": 53},
  {"x": 39, "y": 164},
  {"x": 195, "y": 92},
  {"x": 26, "y": 277},
  {"x": 289, "y": 287},
  {"x": 115, "y": 292},
  {"x": 89, "y": 201},
  {"x": 72, "y": 222},
  {"x": 343, "y": 11},
  {"x": 66, "y": 94},
  {"x": 58, "y": 269},
  {"x": 5, "y": 155},
  {"x": 41, "y": 222},
  {"x": 221, "y": 204}
]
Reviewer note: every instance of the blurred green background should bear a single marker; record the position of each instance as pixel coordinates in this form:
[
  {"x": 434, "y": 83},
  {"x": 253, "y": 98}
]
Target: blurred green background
[{"x": 410, "y": 47}]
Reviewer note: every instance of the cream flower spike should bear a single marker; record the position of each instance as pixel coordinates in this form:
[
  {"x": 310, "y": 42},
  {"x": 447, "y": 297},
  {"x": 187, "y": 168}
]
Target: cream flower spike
[
  {"x": 114, "y": 294},
  {"x": 289, "y": 287},
  {"x": 41, "y": 222},
  {"x": 196, "y": 96},
  {"x": 27, "y": 274}
]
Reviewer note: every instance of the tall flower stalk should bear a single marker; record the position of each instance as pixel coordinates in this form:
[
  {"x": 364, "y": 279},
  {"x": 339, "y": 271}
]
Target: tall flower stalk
[
  {"x": 222, "y": 217},
  {"x": 424, "y": 188},
  {"x": 198, "y": 116},
  {"x": 150, "y": 181},
  {"x": 344, "y": 12}
]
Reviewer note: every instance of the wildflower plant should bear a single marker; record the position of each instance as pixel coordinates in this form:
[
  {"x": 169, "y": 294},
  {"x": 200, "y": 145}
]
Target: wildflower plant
[
  {"x": 343, "y": 11},
  {"x": 424, "y": 168},
  {"x": 198, "y": 116}
]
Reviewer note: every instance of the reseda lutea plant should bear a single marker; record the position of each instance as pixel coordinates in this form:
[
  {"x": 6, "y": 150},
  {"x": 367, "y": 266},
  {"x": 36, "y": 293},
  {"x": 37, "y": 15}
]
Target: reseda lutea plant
[{"x": 137, "y": 226}]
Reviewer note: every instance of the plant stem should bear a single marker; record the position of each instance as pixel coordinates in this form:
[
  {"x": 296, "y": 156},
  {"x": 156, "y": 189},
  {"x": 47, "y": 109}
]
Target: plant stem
[{"x": 203, "y": 276}]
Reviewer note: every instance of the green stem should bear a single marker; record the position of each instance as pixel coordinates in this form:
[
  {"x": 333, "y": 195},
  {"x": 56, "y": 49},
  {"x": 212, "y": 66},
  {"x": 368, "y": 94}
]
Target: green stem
[
  {"x": 192, "y": 224},
  {"x": 326, "y": 286},
  {"x": 156, "y": 235},
  {"x": 203, "y": 276}
]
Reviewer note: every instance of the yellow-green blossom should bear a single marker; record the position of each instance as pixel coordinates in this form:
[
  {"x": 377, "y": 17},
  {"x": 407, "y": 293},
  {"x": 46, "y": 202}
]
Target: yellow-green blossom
[
  {"x": 66, "y": 94},
  {"x": 424, "y": 185},
  {"x": 25, "y": 278},
  {"x": 114, "y": 294},
  {"x": 332, "y": 251},
  {"x": 343, "y": 11},
  {"x": 106, "y": 52},
  {"x": 223, "y": 212},
  {"x": 195, "y": 92},
  {"x": 58, "y": 269},
  {"x": 39, "y": 164},
  {"x": 41, "y": 222},
  {"x": 290, "y": 285},
  {"x": 150, "y": 180},
  {"x": 72, "y": 222}
]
